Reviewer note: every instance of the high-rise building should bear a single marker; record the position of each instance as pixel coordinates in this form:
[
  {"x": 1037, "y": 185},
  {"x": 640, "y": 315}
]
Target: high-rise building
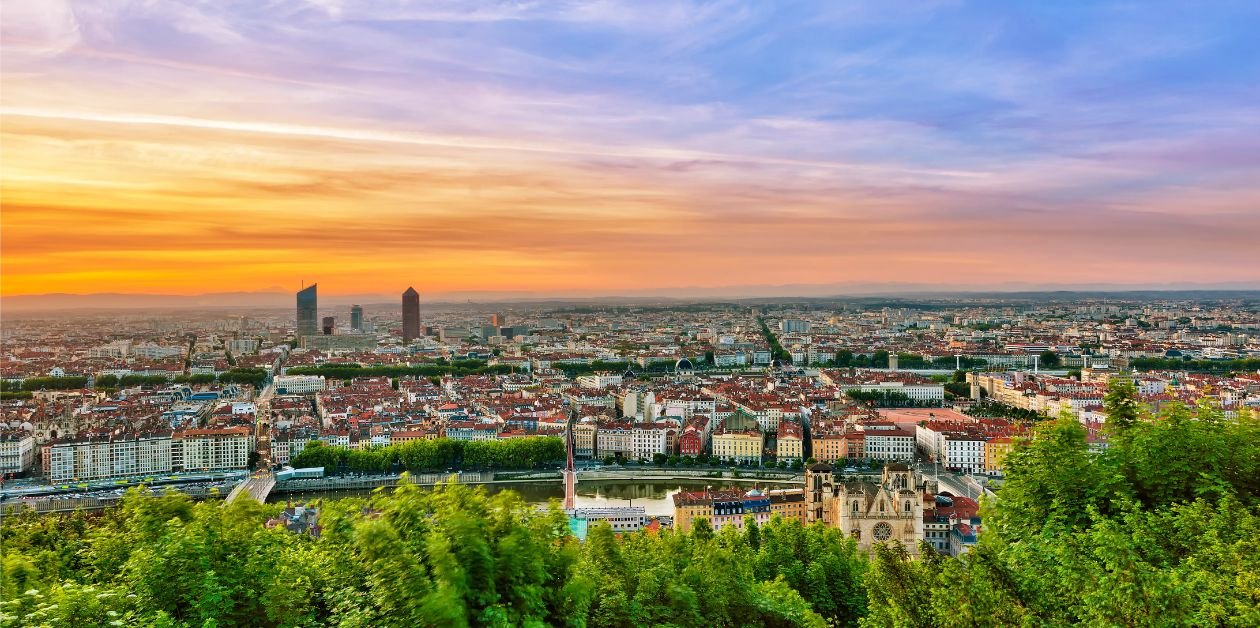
[
  {"x": 307, "y": 308},
  {"x": 330, "y": 323},
  {"x": 411, "y": 315},
  {"x": 356, "y": 317},
  {"x": 498, "y": 319}
]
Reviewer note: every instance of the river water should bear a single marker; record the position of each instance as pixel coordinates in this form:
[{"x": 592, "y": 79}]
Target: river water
[{"x": 656, "y": 497}]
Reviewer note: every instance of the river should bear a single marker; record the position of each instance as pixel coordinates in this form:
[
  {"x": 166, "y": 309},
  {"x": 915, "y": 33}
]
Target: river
[{"x": 655, "y": 496}]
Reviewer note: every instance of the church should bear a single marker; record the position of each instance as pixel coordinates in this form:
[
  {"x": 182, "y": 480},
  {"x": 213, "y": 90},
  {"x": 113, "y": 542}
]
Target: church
[{"x": 870, "y": 512}]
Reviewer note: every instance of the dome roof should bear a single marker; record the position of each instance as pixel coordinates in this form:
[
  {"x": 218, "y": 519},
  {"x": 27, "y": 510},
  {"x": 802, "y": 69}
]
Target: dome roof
[{"x": 684, "y": 365}]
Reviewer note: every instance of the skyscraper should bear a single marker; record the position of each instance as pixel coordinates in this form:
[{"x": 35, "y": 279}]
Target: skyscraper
[
  {"x": 307, "y": 306},
  {"x": 330, "y": 323},
  {"x": 356, "y": 317},
  {"x": 498, "y": 319},
  {"x": 411, "y": 315}
]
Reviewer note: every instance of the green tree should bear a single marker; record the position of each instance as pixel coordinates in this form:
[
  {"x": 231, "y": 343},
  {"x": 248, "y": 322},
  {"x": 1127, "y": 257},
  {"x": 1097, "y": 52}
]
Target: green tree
[
  {"x": 1049, "y": 359},
  {"x": 1121, "y": 403}
]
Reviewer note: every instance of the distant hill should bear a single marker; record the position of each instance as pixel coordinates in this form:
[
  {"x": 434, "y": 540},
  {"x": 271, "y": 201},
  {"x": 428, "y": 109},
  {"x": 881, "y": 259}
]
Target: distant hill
[{"x": 746, "y": 294}]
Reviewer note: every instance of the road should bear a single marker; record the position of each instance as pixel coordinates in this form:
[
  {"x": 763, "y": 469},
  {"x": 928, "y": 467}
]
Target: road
[
  {"x": 955, "y": 483},
  {"x": 258, "y": 487},
  {"x": 262, "y": 426}
]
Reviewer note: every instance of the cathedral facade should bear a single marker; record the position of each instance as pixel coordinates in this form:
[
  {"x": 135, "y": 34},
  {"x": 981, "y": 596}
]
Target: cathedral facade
[{"x": 870, "y": 512}]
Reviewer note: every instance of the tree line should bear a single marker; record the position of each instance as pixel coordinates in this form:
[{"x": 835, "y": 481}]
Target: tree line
[
  {"x": 1161, "y": 528},
  {"x": 457, "y": 368},
  {"x": 889, "y": 399},
  {"x": 879, "y": 360},
  {"x": 32, "y": 384},
  {"x": 440, "y": 454},
  {"x": 776, "y": 350},
  {"x": 1186, "y": 364}
]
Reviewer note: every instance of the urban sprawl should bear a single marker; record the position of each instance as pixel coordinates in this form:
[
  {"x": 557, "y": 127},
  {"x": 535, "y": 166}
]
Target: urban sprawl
[{"x": 871, "y": 400}]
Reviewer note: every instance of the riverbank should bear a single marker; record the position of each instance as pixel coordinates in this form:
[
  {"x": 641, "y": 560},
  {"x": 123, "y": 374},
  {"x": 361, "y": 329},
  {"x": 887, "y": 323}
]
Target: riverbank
[
  {"x": 593, "y": 484},
  {"x": 358, "y": 483}
]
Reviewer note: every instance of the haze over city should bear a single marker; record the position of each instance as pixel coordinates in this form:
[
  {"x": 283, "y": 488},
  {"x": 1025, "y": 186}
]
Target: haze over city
[{"x": 596, "y": 148}]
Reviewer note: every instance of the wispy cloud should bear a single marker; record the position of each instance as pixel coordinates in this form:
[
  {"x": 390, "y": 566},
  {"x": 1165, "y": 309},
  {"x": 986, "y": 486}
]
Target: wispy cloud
[{"x": 519, "y": 145}]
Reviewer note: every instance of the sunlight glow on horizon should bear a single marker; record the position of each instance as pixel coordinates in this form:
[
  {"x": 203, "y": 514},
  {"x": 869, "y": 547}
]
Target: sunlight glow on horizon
[{"x": 175, "y": 149}]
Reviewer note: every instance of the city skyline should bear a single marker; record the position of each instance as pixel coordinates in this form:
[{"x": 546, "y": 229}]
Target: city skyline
[{"x": 600, "y": 147}]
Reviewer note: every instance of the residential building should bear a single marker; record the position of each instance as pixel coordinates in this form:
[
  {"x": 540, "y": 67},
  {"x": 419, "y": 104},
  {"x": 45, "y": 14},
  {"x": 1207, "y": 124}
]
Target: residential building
[
  {"x": 109, "y": 456},
  {"x": 721, "y": 508},
  {"x": 211, "y": 449},
  {"x": 739, "y": 438},
  {"x": 17, "y": 451},
  {"x": 789, "y": 445}
]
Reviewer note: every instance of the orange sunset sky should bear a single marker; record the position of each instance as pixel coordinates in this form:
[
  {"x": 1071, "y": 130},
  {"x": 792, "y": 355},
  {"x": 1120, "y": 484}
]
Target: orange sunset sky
[{"x": 186, "y": 148}]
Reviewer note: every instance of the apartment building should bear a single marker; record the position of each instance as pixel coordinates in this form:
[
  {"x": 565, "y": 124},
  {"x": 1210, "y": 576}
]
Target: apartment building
[
  {"x": 211, "y": 449},
  {"x": 17, "y": 451}
]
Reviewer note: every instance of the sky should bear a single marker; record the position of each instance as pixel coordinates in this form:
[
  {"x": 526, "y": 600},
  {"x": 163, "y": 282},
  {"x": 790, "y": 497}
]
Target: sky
[{"x": 574, "y": 147}]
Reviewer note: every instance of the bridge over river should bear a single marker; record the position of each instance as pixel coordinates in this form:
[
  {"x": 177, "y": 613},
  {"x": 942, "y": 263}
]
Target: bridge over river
[{"x": 258, "y": 487}]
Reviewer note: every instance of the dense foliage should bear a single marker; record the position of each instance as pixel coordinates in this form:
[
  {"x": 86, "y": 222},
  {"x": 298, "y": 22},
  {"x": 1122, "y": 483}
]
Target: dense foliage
[
  {"x": 776, "y": 350},
  {"x": 435, "y": 455},
  {"x": 889, "y": 399},
  {"x": 454, "y": 556},
  {"x": 457, "y": 368},
  {"x": 31, "y": 384},
  {"x": 1163, "y": 528},
  {"x": 596, "y": 366},
  {"x": 991, "y": 408},
  {"x": 1186, "y": 364}
]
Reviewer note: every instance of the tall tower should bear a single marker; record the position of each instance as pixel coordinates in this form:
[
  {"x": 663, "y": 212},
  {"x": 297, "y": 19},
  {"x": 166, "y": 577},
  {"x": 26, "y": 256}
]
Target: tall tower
[
  {"x": 330, "y": 324},
  {"x": 570, "y": 471},
  {"x": 410, "y": 315},
  {"x": 356, "y": 317},
  {"x": 819, "y": 490},
  {"x": 307, "y": 308}
]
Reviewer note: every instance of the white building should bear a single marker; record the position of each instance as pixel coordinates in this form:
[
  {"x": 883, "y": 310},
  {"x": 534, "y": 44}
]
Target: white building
[
  {"x": 115, "y": 349},
  {"x": 964, "y": 452},
  {"x": 599, "y": 380},
  {"x": 109, "y": 457},
  {"x": 298, "y": 384},
  {"x": 150, "y": 351},
  {"x": 17, "y": 451},
  {"x": 621, "y": 518},
  {"x": 889, "y": 443},
  {"x": 211, "y": 449},
  {"x": 614, "y": 439},
  {"x": 794, "y": 326},
  {"x": 242, "y": 346},
  {"x": 927, "y": 393},
  {"x": 648, "y": 439}
]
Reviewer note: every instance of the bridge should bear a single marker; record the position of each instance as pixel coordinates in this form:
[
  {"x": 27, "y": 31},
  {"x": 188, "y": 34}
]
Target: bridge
[{"x": 257, "y": 487}]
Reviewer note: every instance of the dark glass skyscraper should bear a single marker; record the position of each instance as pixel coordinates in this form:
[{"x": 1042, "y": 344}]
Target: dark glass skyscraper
[
  {"x": 356, "y": 317},
  {"x": 307, "y": 308},
  {"x": 411, "y": 315}
]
